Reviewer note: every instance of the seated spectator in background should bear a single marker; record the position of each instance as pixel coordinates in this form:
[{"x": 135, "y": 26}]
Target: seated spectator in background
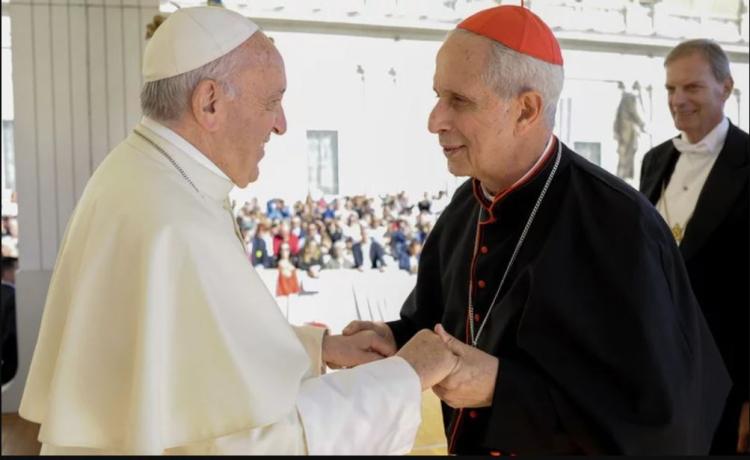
[
  {"x": 373, "y": 248},
  {"x": 10, "y": 341},
  {"x": 372, "y": 229},
  {"x": 425, "y": 203},
  {"x": 312, "y": 233},
  {"x": 287, "y": 282},
  {"x": 423, "y": 229},
  {"x": 402, "y": 199},
  {"x": 334, "y": 230},
  {"x": 339, "y": 257},
  {"x": 245, "y": 223},
  {"x": 285, "y": 212},
  {"x": 296, "y": 227},
  {"x": 272, "y": 210},
  {"x": 311, "y": 256},
  {"x": 399, "y": 239},
  {"x": 285, "y": 236},
  {"x": 409, "y": 260},
  {"x": 259, "y": 255},
  {"x": 353, "y": 234},
  {"x": 10, "y": 236},
  {"x": 329, "y": 212}
]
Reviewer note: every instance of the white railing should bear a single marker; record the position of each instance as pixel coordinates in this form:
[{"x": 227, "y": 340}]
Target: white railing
[{"x": 340, "y": 296}]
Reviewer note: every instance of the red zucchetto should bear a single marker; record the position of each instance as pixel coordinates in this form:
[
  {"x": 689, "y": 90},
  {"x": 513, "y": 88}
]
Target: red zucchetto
[{"x": 517, "y": 28}]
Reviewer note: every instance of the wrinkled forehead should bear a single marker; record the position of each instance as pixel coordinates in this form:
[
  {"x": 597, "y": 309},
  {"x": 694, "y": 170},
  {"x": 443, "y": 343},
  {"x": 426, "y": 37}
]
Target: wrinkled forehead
[
  {"x": 262, "y": 58},
  {"x": 463, "y": 55},
  {"x": 694, "y": 66},
  {"x": 464, "y": 46},
  {"x": 262, "y": 49}
]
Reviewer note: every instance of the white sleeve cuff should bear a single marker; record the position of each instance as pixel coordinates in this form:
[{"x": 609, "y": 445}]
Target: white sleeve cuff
[
  {"x": 372, "y": 409},
  {"x": 312, "y": 339}
]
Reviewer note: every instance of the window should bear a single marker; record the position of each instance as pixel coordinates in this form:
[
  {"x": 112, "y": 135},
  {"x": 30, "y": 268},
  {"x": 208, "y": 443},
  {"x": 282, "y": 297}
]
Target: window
[
  {"x": 9, "y": 162},
  {"x": 591, "y": 151},
  {"x": 8, "y": 156},
  {"x": 323, "y": 161}
]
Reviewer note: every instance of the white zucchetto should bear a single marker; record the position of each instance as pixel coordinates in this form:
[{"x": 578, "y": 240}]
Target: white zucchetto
[{"x": 192, "y": 37}]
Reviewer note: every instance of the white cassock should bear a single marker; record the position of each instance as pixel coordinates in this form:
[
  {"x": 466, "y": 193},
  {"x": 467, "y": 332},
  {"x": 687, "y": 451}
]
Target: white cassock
[{"x": 158, "y": 337}]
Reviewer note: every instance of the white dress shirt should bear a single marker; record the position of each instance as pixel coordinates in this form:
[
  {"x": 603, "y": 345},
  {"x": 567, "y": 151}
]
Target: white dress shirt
[{"x": 677, "y": 203}]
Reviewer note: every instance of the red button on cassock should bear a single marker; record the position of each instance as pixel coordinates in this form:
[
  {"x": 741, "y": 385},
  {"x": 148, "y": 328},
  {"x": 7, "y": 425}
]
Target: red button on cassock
[
  {"x": 484, "y": 250},
  {"x": 473, "y": 414},
  {"x": 477, "y": 317},
  {"x": 481, "y": 283}
]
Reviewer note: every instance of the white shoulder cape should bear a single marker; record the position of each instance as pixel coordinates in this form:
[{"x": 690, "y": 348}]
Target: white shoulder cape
[{"x": 156, "y": 331}]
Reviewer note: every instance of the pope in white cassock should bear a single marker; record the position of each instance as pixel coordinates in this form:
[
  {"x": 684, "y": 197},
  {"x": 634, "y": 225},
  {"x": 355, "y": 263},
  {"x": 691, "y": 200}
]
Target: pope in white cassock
[{"x": 158, "y": 337}]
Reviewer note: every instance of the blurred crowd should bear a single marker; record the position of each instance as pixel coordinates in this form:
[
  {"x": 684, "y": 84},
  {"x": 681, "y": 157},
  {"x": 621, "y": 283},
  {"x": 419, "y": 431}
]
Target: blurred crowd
[
  {"x": 349, "y": 232},
  {"x": 10, "y": 236}
]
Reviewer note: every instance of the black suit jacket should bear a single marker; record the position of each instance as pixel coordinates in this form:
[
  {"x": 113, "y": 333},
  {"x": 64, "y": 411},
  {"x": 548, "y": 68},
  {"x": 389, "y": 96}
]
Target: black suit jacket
[
  {"x": 9, "y": 340},
  {"x": 716, "y": 247}
]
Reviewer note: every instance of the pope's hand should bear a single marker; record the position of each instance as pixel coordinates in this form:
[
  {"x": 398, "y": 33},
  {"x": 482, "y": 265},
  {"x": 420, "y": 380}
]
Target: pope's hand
[
  {"x": 429, "y": 357},
  {"x": 472, "y": 384},
  {"x": 351, "y": 350}
]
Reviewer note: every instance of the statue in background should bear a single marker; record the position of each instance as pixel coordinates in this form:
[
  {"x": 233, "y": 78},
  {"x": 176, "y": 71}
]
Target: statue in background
[{"x": 627, "y": 128}]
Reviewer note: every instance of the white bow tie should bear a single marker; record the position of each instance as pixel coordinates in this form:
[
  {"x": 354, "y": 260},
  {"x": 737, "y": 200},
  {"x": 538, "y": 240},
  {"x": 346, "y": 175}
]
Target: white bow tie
[{"x": 688, "y": 148}]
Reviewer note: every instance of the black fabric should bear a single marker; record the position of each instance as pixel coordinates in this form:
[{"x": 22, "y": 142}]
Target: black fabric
[
  {"x": 716, "y": 251},
  {"x": 601, "y": 343},
  {"x": 10, "y": 340}
]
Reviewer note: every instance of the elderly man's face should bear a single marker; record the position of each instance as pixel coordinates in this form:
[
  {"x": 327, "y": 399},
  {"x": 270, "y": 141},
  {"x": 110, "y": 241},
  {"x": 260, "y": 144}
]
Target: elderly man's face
[
  {"x": 256, "y": 111},
  {"x": 696, "y": 97},
  {"x": 472, "y": 122}
]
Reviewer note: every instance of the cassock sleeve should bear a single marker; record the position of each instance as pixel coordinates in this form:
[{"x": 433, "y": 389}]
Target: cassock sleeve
[
  {"x": 627, "y": 367},
  {"x": 372, "y": 409},
  {"x": 312, "y": 339}
]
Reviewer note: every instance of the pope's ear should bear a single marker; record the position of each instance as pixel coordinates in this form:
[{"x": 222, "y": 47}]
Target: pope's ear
[{"x": 206, "y": 104}]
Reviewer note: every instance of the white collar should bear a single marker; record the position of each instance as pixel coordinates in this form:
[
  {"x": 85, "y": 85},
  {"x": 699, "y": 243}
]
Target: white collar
[
  {"x": 181, "y": 143},
  {"x": 714, "y": 140}
]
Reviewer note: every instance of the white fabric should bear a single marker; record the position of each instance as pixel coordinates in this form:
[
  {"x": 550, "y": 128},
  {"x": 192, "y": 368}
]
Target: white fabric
[
  {"x": 140, "y": 348},
  {"x": 712, "y": 142},
  {"x": 284, "y": 437},
  {"x": 158, "y": 337},
  {"x": 364, "y": 422},
  {"x": 192, "y": 37},
  {"x": 340, "y": 413},
  {"x": 677, "y": 203},
  {"x": 186, "y": 147},
  {"x": 312, "y": 339}
]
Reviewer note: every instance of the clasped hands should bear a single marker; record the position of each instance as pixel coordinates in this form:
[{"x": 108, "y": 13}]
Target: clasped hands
[{"x": 459, "y": 374}]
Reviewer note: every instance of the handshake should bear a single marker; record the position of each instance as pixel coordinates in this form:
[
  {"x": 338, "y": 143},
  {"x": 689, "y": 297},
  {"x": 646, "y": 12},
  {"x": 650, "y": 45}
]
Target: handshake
[{"x": 459, "y": 374}]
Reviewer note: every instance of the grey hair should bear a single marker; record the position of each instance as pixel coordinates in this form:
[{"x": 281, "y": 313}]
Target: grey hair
[
  {"x": 168, "y": 99},
  {"x": 511, "y": 73},
  {"x": 709, "y": 49}
]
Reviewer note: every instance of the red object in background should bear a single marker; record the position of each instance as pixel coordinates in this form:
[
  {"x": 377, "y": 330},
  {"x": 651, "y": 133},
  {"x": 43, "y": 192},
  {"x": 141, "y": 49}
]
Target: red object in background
[
  {"x": 317, "y": 324},
  {"x": 286, "y": 285},
  {"x": 293, "y": 244}
]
